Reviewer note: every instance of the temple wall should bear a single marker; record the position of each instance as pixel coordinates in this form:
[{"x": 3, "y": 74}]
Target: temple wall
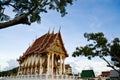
[{"x": 32, "y": 64}]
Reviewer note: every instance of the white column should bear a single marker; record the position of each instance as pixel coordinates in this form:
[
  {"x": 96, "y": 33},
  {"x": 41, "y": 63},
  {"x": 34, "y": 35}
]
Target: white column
[
  {"x": 25, "y": 71},
  {"x": 52, "y": 62},
  {"x": 35, "y": 70},
  {"x": 40, "y": 65},
  {"x": 64, "y": 65},
  {"x": 40, "y": 69},
  {"x": 48, "y": 64},
  {"x": 60, "y": 64},
  {"x": 19, "y": 70},
  {"x": 31, "y": 70}
]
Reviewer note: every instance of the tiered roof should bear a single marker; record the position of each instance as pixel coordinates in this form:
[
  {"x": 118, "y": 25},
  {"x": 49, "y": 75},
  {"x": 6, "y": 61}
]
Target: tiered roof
[
  {"x": 41, "y": 44},
  {"x": 67, "y": 66}
]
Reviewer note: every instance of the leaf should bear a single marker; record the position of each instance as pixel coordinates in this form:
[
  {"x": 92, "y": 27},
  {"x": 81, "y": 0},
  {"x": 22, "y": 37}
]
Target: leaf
[{"x": 4, "y": 17}]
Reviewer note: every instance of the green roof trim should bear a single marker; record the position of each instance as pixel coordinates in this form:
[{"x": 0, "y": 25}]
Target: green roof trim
[{"x": 87, "y": 74}]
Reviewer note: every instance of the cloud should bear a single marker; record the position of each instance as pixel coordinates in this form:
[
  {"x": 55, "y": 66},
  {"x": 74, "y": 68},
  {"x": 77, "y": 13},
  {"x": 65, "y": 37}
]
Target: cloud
[
  {"x": 95, "y": 23},
  {"x": 3, "y": 64},
  {"x": 11, "y": 64},
  {"x": 82, "y": 63}
]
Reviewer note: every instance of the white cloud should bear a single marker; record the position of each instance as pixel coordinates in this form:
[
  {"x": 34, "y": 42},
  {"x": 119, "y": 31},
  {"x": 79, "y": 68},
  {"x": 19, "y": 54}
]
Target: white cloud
[
  {"x": 95, "y": 23},
  {"x": 11, "y": 64},
  {"x": 82, "y": 63},
  {"x": 3, "y": 64}
]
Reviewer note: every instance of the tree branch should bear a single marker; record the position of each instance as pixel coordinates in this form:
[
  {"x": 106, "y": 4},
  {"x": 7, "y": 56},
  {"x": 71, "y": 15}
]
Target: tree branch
[
  {"x": 22, "y": 19},
  {"x": 13, "y": 6},
  {"x": 5, "y": 3},
  {"x": 109, "y": 65}
]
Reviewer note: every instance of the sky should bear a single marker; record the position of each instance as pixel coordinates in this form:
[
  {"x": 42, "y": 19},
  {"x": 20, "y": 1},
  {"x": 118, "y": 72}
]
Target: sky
[{"x": 83, "y": 16}]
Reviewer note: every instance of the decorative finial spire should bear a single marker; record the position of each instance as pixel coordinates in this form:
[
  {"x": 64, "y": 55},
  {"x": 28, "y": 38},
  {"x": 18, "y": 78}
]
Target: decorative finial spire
[
  {"x": 49, "y": 30},
  {"x": 53, "y": 31},
  {"x": 59, "y": 29}
]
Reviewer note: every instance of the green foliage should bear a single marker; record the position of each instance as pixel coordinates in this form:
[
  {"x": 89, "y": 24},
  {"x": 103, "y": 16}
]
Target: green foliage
[
  {"x": 96, "y": 47},
  {"x": 115, "y": 52},
  {"x": 12, "y": 72},
  {"x": 32, "y": 8},
  {"x": 99, "y": 46}
]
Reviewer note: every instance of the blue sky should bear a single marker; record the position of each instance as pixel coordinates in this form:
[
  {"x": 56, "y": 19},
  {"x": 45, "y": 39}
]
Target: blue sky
[{"x": 83, "y": 16}]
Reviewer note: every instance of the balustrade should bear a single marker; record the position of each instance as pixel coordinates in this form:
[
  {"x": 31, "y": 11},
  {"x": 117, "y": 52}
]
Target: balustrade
[{"x": 40, "y": 77}]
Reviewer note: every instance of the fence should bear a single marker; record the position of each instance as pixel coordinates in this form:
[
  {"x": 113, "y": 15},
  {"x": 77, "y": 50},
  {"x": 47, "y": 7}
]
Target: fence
[
  {"x": 40, "y": 77},
  {"x": 46, "y": 77}
]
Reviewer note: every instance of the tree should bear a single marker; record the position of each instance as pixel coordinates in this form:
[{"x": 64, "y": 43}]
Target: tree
[
  {"x": 12, "y": 72},
  {"x": 28, "y": 11},
  {"x": 98, "y": 45}
]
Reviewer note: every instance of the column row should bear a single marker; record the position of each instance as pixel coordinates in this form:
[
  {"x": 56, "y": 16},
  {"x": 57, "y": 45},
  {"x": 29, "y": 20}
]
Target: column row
[{"x": 51, "y": 69}]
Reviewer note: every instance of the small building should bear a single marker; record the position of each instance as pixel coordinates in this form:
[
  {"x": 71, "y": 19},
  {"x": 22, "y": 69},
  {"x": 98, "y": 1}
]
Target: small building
[
  {"x": 68, "y": 69},
  {"x": 43, "y": 56},
  {"x": 87, "y": 74},
  {"x": 114, "y": 75},
  {"x": 105, "y": 74}
]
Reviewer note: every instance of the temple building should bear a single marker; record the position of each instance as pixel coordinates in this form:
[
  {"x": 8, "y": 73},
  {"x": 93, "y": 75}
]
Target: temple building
[
  {"x": 68, "y": 69},
  {"x": 44, "y": 55}
]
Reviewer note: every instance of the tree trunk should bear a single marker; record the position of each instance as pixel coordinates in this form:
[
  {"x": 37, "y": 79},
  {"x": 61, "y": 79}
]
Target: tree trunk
[{"x": 22, "y": 19}]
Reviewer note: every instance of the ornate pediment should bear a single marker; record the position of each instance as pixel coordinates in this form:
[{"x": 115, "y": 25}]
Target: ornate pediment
[{"x": 56, "y": 46}]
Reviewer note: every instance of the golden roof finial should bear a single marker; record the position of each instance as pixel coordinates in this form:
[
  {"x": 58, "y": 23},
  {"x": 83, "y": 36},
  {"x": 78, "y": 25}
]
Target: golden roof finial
[
  {"x": 59, "y": 29},
  {"x": 49, "y": 30},
  {"x": 53, "y": 31}
]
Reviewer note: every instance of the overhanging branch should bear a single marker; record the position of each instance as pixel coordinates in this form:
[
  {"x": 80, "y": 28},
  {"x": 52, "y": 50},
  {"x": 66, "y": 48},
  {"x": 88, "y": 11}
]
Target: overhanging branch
[{"x": 22, "y": 19}]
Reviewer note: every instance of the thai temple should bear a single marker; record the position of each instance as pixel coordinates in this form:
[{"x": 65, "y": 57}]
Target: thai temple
[{"x": 44, "y": 56}]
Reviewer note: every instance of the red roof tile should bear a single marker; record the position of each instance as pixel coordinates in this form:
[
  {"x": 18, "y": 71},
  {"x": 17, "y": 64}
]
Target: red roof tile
[
  {"x": 105, "y": 73},
  {"x": 41, "y": 44}
]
